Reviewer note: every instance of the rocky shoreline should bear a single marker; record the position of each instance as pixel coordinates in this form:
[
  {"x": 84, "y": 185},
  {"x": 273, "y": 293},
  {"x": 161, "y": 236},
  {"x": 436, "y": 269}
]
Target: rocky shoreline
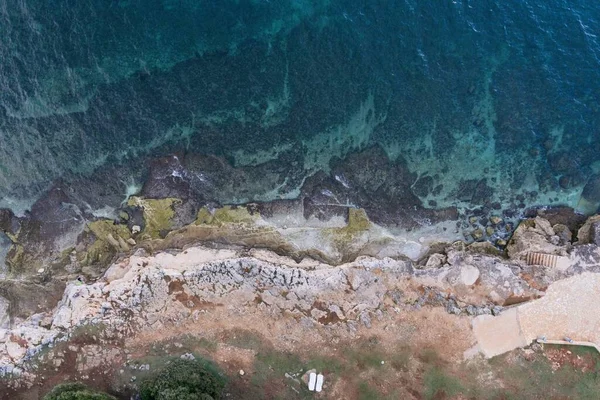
[
  {"x": 232, "y": 262},
  {"x": 353, "y": 245}
]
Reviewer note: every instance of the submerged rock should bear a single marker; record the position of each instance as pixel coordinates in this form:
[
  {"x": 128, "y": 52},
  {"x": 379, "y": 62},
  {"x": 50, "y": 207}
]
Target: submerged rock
[{"x": 589, "y": 202}]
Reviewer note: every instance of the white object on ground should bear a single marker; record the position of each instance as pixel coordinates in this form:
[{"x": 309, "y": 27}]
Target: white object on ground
[
  {"x": 320, "y": 380},
  {"x": 312, "y": 381}
]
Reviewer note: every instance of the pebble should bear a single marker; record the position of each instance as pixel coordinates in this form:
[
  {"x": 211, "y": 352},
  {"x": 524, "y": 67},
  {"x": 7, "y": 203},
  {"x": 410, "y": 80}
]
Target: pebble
[
  {"x": 477, "y": 234},
  {"x": 242, "y": 373},
  {"x": 495, "y": 220}
]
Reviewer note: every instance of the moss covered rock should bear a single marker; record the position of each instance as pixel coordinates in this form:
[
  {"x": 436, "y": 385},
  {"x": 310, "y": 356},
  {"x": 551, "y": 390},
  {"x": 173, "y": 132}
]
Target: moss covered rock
[
  {"x": 15, "y": 257},
  {"x": 158, "y": 215},
  {"x": 346, "y": 238},
  {"x": 226, "y": 215},
  {"x": 108, "y": 240}
]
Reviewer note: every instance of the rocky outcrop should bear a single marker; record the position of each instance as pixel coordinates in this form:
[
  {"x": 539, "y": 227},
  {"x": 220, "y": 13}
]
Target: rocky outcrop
[
  {"x": 538, "y": 236},
  {"x": 344, "y": 270},
  {"x": 152, "y": 291},
  {"x": 590, "y": 231}
]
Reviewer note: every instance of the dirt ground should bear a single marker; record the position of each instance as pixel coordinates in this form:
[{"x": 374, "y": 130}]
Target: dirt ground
[
  {"x": 387, "y": 358},
  {"x": 404, "y": 355}
]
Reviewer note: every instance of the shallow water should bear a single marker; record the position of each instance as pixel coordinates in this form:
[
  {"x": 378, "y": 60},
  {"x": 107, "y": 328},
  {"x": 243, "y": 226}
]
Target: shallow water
[{"x": 487, "y": 102}]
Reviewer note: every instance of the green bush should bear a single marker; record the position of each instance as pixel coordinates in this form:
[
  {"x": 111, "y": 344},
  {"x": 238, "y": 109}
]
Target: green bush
[
  {"x": 184, "y": 380},
  {"x": 75, "y": 391}
]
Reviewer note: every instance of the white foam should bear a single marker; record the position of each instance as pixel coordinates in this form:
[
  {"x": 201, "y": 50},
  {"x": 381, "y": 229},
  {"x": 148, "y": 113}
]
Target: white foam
[{"x": 131, "y": 189}]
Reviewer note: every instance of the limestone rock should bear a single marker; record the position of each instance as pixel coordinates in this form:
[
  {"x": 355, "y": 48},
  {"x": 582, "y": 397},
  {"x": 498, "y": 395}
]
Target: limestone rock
[
  {"x": 533, "y": 235},
  {"x": 15, "y": 350},
  {"x": 563, "y": 232},
  {"x": 590, "y": 231},
  {"x": 484, "y": 248},
  {"x": 469, "y": 275},
  {"x": 4, "y": 317},
  {"x": 436, "y": 260}
]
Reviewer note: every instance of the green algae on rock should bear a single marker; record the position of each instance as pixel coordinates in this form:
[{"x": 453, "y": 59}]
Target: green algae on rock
[
  {"x": 108, "y": 240},
  {"x": 158, "y": 215},
  {"x": 15, "y": 258},
  {"x": 350, "y": 238},
  {"x": 226, "y": 215}
]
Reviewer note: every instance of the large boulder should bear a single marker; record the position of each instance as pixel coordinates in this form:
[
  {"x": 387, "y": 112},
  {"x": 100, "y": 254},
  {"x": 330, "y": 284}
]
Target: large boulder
[
  {"x": 590, "y": 231},
  {"x": 534, "y": 235}
]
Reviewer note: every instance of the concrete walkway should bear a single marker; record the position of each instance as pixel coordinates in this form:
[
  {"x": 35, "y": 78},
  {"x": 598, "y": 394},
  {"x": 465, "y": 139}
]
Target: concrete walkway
[{"x": 570, "y": 308}]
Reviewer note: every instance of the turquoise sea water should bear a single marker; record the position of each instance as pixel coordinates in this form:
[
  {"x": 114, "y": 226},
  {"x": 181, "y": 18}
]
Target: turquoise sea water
[{"x": 486, "y": 102}]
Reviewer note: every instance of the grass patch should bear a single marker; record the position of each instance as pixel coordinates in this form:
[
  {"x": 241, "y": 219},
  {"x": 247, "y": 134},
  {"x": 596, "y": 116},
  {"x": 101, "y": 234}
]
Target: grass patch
[
  {"x": 326, "y": 365},
  {"x": 193, "y": 343},
  {"x": 183, "y": 344},
  {"x": 365, "y": 359},
  {"x": 366, "y": 354},
  {"x": 268, "y": 379},
  {"x": 536, "y": 379},
  {"x": 400, "y": 358},
  {"x": 366, "y": 392},
  {"x": 244, "y": 339},
  {"x": 438, "y": 384},
  {"x": 588, "y": 388},
  {"x": 429, "y": 356},
  {"x": 272, "y": 361}
]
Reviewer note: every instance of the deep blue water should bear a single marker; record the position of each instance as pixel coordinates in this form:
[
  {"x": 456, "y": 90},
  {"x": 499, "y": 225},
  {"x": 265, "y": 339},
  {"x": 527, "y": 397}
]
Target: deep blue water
[{"x": 462, "y": 91}]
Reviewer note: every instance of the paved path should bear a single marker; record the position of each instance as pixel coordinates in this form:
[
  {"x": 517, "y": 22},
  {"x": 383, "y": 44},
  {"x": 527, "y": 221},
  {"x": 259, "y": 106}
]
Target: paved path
[{"x": 570, "y": 308}]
